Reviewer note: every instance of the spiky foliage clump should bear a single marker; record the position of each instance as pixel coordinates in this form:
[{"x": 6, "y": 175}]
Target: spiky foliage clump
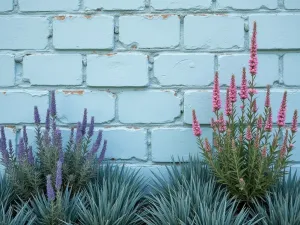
[
  {"x": 192, "y": 198},
  {"x": 282, "y": 204},
  {"x": 245, "y": 156},
  {"x": 114, "y": 199},
  {"x": 73, "y": 166}
]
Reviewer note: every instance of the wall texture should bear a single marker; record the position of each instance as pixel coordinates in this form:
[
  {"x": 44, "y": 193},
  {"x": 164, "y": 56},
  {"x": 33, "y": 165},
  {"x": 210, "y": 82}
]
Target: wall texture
[{"x": 141, "y": 66}]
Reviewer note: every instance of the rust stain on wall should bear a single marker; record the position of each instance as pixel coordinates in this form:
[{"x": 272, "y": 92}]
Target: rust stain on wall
[
  {"x": 60, "y": 17},
  {"x": 77, "y": 92}
]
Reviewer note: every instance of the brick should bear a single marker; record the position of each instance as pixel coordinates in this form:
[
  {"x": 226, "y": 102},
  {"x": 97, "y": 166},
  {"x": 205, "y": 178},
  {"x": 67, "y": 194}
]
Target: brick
[
  {"x": 117, "y": 70},
  {"x": 45, "y": 5},
  {"x": 175, "y": 142},
  {"x": 71, "y": 103},
  {"x": 10, "y": 134},
  {"x": 23, "y": 32},
  {"x": 148, "y": 106},
  {"x": 184, "y": 69},
  {"x": 285, "y": 36},
  {"x": 89, "y": 32},
  {"x": 291, "y": 69},
  {"x": 57, "y": 69},
  {"x": 180, "y": 4},
  {"x": 255, "y": 4},
  {"x": 139, "y": 30},
  {"x": 6, "y": 5},
  {"x": 21, "y": 111},
  {"x": 227, "y": 32},
  {"x": 292, "y": 4},
  {"x": 114, "y": 5},
  {"x": 233, "y": 64},
  {"x": 7, "y": 70}
]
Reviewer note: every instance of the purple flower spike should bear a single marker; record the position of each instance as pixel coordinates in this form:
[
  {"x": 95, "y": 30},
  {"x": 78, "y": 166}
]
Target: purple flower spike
[
  {"x": 25, "y": 138},
  {"x": 48, "y": 120},
  {"x": 53, "y": 104},
  {"x": 97, "y": 143},
  {"x": 21, "y": 152},
  {"x": 30, "y": 156},
  {"x": 84, "y": 122},
  {"x": 50, "y": 191},
  {"x": 5, "y": 156},
  {"x": 101, "y": 157},
  {"x": 59, "y": 146},
  {"x": 78, "y": 133},
  {"x": 58, "y": 181},
  {"x": 11, "y": 149},
  {"x": 91, "y": 128},
  {"x": 47, "y": 138},
  {"x": 37, "y": 119},
  {"x": 3, "y": 139}
]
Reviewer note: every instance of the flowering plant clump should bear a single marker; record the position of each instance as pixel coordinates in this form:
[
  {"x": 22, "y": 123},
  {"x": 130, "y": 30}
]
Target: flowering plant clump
[
  {"x": 246, "y": 155},
  {"x": 52, "y": 165}
]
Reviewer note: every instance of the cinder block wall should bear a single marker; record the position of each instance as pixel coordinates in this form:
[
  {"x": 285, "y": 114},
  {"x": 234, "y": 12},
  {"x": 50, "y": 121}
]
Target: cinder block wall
[{"x": 141, "y": 66}]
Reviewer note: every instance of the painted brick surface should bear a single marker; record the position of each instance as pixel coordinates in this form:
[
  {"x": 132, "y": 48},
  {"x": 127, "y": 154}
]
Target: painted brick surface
[
  {"x": 117, "y": 70},
  {"x": 70, "y": 105},
  {"x": 114, "y": 4},
  {"x": 24, "y": 32},
  {"x": 184, "y": 69},
  {"x": 180, "y": 4},
  {"x": 227, "y": 32},
  {"x": 57, "y": 69},
  {"x": 150, "y": 31},
  {"x": 175, "y": 142},
  {"x": 148, "y": 107},
  {"x": 19, "y": 105},
  {"x": 291, "y": 69},
  {"x": 7, "y": 70},
  {"x": 84, "y": 32},
  {"x": 45, "y": 5},
  {"x": 233, "y": 64},
  {"x": 6, "y": 5},
  {"x": 285, "y": 36},
  {"x": 255, "y": 4},
  {"x": 292, "y": 4}
]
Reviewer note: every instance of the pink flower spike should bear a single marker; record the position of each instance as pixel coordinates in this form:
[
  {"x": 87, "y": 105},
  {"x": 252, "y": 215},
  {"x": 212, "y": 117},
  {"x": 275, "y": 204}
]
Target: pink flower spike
[
  {"x": 282, "y": 111},
  {"x": 267, "y": 101},
  {"x": 264, "y": 152},
  {"x": 253, "y": 62},
  {"x": 248, "y": 134},
  {"x": 283, "y": 147},
  {"x": 244, "y": 87},
  {"x": 222, "y": 123},
  {"x": 252, "y": 91},
  {"x": 216, "y": 94},
  {"x": 294, "y": 123},
  {"x": 259, "y": 122},
  {"x": 196, "y": 125},
  {"x": 254, "y": 106},
  {"x": 232, "y": 92},
  {"x": 228, "y": 107},
  {"x": 207, "y": 145},
  {"x": 268, "y": 125}
]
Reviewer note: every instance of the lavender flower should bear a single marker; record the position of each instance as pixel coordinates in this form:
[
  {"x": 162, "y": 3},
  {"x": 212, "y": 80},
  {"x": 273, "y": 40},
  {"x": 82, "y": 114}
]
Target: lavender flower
[
  {"x": 91, "y": 128},
  {"x": 25, "y": 138},
  {"x": 97, "y": 143},
  {"x": 46, "y": 138},
  {"x": 3, "y": 138},
  {"x": 30, "y": 156},
  {"x": 58, "y": 181},
  {"x": 84, "y": 122},
  {"x": 78, "y": 133},
  {"x": 37, "y": 119},
  {"x": 11, "y": 149},
  {"x": 50, "y": 191},
  {"x": 101, "y": 157},
  {"x": 53, "y": 104},
  {"x": 5, "y": 156},
  {"x": 59, "y": 146},
  {"x": 48, "y": 120},
  {"x": 71, "y": 139},
  {"x": 21, "y": 152}
]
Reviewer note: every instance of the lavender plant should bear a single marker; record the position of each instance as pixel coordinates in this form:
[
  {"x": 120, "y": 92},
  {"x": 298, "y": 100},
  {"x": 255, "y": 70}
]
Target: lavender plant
[
  {"x": 245, "y": 156},
  {"x": 74, "y": 166}
]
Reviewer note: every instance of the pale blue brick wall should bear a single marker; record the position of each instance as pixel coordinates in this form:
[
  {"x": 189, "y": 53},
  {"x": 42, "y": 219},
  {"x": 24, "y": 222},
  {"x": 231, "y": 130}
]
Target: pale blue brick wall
[{"x": 141, "y": 66}]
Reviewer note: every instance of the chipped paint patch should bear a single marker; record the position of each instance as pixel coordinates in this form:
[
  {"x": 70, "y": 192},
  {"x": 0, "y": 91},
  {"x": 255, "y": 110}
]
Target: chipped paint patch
[
  {"x": 75, "y": 92},
  {"x": 111, "y": 54},
  {"x": 60, "y": 17},
  {"x": 88, "y": 16}
]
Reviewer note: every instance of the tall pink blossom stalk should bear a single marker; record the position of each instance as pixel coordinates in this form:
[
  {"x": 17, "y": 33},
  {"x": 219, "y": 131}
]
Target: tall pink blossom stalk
[
  {"x": 232, "y": 92},
  {"x": 282, "y": 111},
  {"x": 248, "y": 133},
  {"x": 222, "y": 123},
  {"x": 264, "y": 151},
  {"x": 267, "y": 101},
  {"x": 228, "y": 107},
  {"x": 216, "y": 94},
  {"x": 244, "y": 87},
  {"x": 268, "y": 125},
  {"x": 294, "y": 123},
  {"x": 207, "y": 145},
  {"x": 283, "y": 147},
  {"x": 196, "y": 125},
  {"x": 254, "y": 106},
  {"x": 253, "y": 62},
  {"x": 259, "y": 122}
]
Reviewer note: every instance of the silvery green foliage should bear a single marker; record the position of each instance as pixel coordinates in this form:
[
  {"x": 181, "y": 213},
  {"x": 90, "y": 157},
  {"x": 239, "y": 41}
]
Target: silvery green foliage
[
  {"x": 114, "y": 199},
  {"x": 193, "y": 198},
  {"x": 282, "y": 205}
]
